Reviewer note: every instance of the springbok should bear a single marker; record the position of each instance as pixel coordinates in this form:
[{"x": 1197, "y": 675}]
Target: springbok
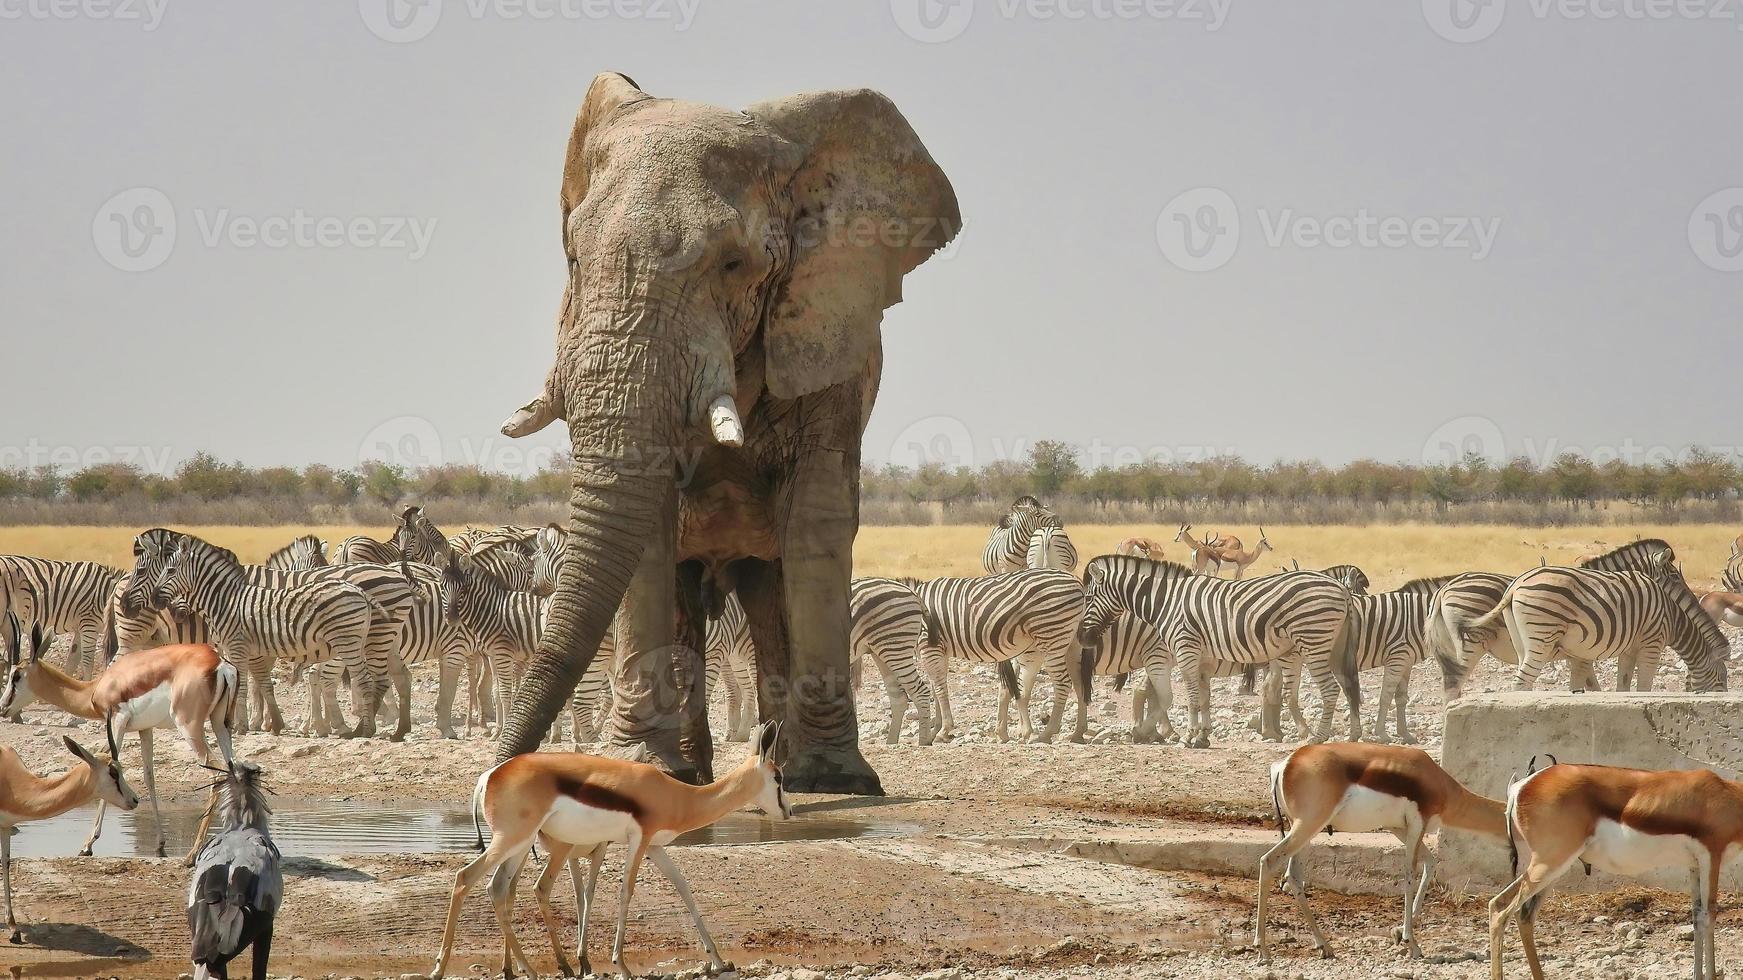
[
  {"x": 571, "y": 802},
  {"x": 1141, "y": 548},
  {"x": 1201, "y": 550},
  {"x": 184, "y": 686},
  {"x": 25, "y": 796},
  {"x": 1229, "y": 552},
  {"x": 1624, "y": 821},
  {"x": 1351, "y": 787},
  {"x": 1726, "y": 608}
]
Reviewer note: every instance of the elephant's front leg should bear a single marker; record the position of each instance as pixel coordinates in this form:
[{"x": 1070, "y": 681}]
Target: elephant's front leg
[
  {"x": 649, "y": 711},
  {"x": 817, "y": 564}
]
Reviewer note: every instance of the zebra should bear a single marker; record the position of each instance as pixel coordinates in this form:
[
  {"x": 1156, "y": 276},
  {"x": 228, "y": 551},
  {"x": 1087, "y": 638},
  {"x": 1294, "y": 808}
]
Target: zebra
[
  {"x": 252, "y": 626},
  {"x": 141, "y": 620},
  {"x": 886, "y": 620},
  {"x": 1007, "y": 548},
  {"x": 1032, "y": 613},
  {"x": 1261, "y": 620},
  {"x": 1388, "y": 632},
  {"x": 550, "y": 544},
  {"x": 730, "y": 660},
  {"x": 1459, "y": 600},
  {"x": 365, "y": 550},
  {"x": 1590, "y": 614},
  {"x": 1051, "y": 547},
  {"x": 303, "y": 553},
  {"x": 1733, "y": 575},
  {"x": 62, "y": 597},
  {"x": 425, "y": 635},
  {"x": 506, "y": 623}
]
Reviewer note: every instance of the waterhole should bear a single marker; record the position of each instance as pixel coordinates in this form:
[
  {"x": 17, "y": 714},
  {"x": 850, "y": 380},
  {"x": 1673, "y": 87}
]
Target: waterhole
[{"x": 307, "y": 829}]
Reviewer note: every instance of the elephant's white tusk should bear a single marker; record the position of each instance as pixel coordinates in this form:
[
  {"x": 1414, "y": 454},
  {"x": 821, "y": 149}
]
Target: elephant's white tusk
[{"x": 723, "y": 419}]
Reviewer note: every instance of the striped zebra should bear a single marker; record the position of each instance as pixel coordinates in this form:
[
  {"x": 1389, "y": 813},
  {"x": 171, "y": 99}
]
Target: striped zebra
[
  {"x": 63, "y": 597},
  {"x": 1733, "y": 575},
  {"x": 886, "y": 620},
  {"x": 550, "y": 544},
  {"x": 420, "y": 540},
  {"x": 1261, "y": 620},
  {"x": 425, "y": 636},
  {"x": 730, "y": 660},
  {"x": 1459, "y": 600},
  {"x": 303, "y": 553},
  {"x": 142, "y": 621},
  {"x": 254, "y": 626},
  {"x": 360, "y": 549},
  {"x": 1387, "y": 632},
  {"x": 1051, "y": 547},
  {"x": 1007, "y": 548},
  {"x": 506, "y": 623},
  {"x": 1588, "y": 615},
  {"x": 1031, "y": 614}
]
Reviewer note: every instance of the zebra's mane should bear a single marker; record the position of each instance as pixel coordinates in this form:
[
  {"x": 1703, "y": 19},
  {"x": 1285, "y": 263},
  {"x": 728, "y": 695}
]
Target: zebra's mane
[
  {"x": 1427, "y": 585},
  {"x": 1634, "y": 556},
  {"x": 1138, "y": 563}
]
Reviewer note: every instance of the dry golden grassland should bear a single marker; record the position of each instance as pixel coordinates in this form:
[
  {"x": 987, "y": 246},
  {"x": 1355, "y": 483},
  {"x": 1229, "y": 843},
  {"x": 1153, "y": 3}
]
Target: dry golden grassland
[{"x": 1390, "y": 554}]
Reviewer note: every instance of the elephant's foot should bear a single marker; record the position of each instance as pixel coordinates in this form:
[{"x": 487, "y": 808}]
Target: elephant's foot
[{"x": 831, "y": 769}]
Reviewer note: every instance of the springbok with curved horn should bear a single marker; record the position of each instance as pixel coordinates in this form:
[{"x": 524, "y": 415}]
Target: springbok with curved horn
[
  {"x": 580, "y": 803},
  {"x": 1202, "y": 551},
  {"x": 1624, "y": 821},
  {"x": 184, "y": 686},
  {"x": 1230, "y": 552},
  {"x": 1354, "y": 788},
  {"x": 25, "y": 796}
]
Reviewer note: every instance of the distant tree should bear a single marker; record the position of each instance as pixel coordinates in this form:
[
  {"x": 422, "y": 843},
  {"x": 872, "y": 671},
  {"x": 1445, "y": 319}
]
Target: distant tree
[
  {"x": 385, "y": 483},
  {"x": 1052, "y": 464}
]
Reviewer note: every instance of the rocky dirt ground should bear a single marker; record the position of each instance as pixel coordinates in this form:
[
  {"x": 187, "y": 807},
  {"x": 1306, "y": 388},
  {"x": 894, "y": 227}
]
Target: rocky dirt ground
[{"x": 935, "y": 891}]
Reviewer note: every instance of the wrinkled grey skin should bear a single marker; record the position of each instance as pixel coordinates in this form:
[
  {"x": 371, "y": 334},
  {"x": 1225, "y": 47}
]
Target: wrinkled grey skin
[{"x": 718, "y": 253}]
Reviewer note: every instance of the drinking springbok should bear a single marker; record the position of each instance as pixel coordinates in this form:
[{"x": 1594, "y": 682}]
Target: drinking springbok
[
  {"x": 1353, "y": 788},
  {"x": 1625, "y": 821},
  {"x": 1140, "y": 548},
  {"x": 25, "y": 796},
  {"x": 185, "y": 687},
  {"x": 580, "y": 803}
]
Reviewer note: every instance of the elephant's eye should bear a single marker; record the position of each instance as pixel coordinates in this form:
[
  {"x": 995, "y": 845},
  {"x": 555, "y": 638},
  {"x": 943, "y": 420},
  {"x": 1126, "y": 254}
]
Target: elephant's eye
[{"x": 733, "y": 264}]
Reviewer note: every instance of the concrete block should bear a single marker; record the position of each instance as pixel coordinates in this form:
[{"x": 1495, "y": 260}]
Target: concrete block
[{"x": 1491, "y": 738}]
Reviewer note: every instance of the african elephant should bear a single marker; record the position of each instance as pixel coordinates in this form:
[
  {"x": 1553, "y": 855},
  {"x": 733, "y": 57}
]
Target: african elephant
[{"x": 719, "y": 259}]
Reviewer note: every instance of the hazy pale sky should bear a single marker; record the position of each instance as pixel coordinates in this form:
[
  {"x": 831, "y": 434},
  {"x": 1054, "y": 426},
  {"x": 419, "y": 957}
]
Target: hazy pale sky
[{"x": 305, "y": 232}]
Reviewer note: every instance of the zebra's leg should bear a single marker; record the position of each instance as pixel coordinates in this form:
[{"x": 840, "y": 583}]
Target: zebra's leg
[
  {"x": 1027, "y": 676},
  {"x": 1647, "y": 671},
  {"x": 920, "y": 693},
  {"x": 1401, "y": 701},
  {"x": 1277, "y": 682},
  {"x": 1161, "y": 680},
  {"x": 1198, "y": 698},
  {"x": 272, "y": 720},
  {"x": 402, "y": 689},
  {"x": 898, "y": 701},
  {"x": 1317, "y": 662},
  {"x": 451, "y": 663},
  {"x": 1388, "y": 683},
  {"x": 502, "y": 672}
]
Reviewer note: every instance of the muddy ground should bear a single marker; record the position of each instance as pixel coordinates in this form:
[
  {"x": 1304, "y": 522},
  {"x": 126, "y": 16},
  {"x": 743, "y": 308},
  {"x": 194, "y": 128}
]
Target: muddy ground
[{"x": 928, "y": 885}]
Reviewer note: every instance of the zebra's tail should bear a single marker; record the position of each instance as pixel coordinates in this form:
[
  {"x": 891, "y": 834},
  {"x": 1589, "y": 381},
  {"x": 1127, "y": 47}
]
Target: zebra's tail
[
  {"x": 855, "y": 671},
  {"x": 1008, "y": 677},
  {"x": 1453, "y": 669},
  {"x": 1345, "y": 669},
  {"x": 1120, "y": 681},
  {"x": 1484, "y": 627},
  {"x": 111, "y": 638}
]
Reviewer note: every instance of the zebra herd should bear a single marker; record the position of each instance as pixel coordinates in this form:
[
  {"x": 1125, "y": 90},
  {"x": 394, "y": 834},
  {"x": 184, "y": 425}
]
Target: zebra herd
[
  {"x": 473, "y": 605},
  {"x": 1139, "y": 619}
]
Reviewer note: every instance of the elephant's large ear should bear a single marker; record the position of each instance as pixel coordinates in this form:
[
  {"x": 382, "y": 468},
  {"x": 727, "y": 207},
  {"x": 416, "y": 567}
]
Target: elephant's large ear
[
  {"x": 609, "y": 92},
  {"x": 869, "y": 205}
]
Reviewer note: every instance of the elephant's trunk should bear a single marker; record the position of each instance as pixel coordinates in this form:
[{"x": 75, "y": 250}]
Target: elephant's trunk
[{"x": 619, "y": 419}]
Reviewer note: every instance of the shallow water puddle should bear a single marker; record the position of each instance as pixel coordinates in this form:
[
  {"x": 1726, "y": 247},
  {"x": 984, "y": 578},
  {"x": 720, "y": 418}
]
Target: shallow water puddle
[{"x": 323, "y": 829}]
